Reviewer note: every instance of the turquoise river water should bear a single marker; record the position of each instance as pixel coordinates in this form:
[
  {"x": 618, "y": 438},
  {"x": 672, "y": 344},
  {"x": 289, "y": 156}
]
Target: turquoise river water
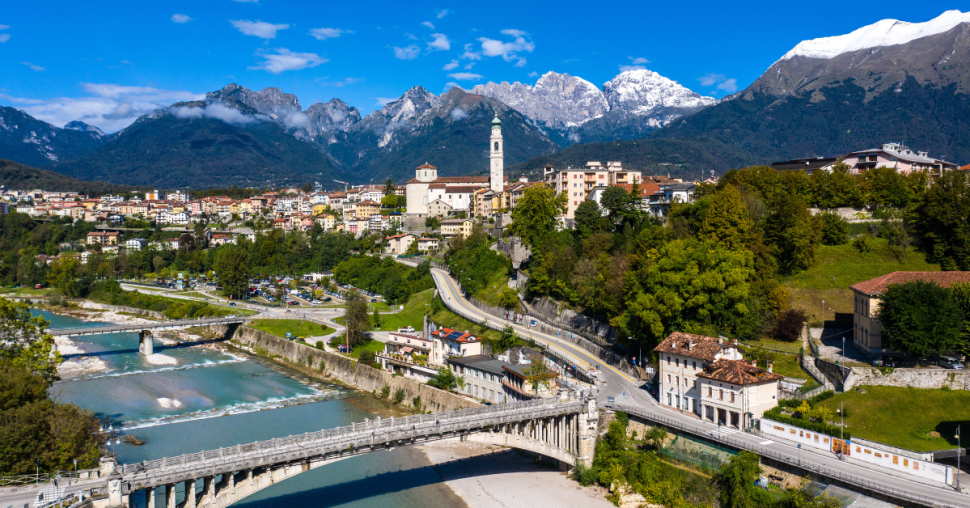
[{"x": 188, "y": 399}]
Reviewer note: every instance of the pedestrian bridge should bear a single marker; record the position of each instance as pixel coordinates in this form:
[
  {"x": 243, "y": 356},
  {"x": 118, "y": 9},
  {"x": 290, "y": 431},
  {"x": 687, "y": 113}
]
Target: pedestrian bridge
[
  {"x": 145, "y": 342},
  {"x": 564, "y": 430}
]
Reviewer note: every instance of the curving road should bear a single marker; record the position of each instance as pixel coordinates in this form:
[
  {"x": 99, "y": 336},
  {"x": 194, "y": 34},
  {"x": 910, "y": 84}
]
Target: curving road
[{"x": 628, "y": 392}]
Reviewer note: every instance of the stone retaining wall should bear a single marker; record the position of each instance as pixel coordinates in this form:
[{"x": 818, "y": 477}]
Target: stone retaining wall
[
  {"x": 350, "y": 372},
  {"x": 916, "y": 378}
]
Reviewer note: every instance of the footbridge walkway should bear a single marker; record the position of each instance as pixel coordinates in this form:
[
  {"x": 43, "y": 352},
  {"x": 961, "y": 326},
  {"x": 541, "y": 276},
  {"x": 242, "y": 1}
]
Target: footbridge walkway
[
  {"x": 564, "y": 430},
  {"x": 145, "y": 342}
]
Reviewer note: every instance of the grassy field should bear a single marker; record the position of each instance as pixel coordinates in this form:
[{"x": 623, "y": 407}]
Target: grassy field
[
  {"x": 490, "y": 294},
  {"x": 786, "y": 365},
  {"x": 296, "y": 327},
  {"x": 372, "y": 345},
  {"x": 838, "y": 267},
  {"x": 412, "y": 315},
  {"x": 912, "y": 418},
  {"x": 26, "y": 291}
]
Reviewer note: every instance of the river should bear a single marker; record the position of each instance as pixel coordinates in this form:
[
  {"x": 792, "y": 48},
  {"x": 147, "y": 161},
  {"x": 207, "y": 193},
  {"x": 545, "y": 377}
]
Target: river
[{"x": 189, "y": 399}]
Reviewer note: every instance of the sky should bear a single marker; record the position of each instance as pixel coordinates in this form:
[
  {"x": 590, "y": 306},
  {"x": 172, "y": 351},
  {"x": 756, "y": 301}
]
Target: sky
[{"x": 108, "y": 62}]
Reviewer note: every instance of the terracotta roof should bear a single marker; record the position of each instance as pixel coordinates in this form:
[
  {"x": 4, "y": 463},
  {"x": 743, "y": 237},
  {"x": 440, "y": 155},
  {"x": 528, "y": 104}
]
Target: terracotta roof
[
  {"x": 738, "y": 372},
  {"x": 438, "y": 186},
  {"x": 964, "y": 168},
  {"x": 877, "y": 286},
  {"x": 369, "y": 203},
  {"x": 426, "y": 166},
  {"x": 455, "y": 335},
  {"x": 646, "y": 189},
  {"x": 691, "y": 346},
  {"x": 462, "y": 189},
  {"x": 457, "y": 179}
]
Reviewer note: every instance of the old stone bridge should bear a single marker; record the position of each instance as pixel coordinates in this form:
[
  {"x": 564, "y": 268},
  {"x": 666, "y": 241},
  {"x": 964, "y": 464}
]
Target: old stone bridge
[
  {"x": 563, "y": 430},
  {"x": 146, "y": 344}
]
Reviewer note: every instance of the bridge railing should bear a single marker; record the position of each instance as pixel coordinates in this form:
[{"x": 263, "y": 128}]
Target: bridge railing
[
  {"x": 807, "y": 465},
  {"x": 444, "y": 419},
  {"x": 146, "y": 326}
]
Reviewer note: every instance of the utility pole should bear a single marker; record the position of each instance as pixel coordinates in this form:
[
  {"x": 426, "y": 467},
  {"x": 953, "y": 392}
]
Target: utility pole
[
  {"x": 959, "y": 452},
  {"x": 842, "y": 431}
]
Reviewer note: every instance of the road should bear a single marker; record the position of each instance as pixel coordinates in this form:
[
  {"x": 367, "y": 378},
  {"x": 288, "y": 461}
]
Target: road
[{"x": 627, "y": 391}]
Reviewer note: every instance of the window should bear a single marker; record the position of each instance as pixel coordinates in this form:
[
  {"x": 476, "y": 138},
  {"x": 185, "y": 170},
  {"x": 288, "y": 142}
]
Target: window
[
  {"x": 678, "y": 379},
  {"x": 732, "y": 397},
  {"x": 496, "y": 146},
  {"x": 678, "y": 362},
  {"x": 694, "y": 365},
  {"x": 668, "y": 378},
  {"x": 721, "y": 394},
  {"x": 710, "y": 392},
  {"x": 668, "y": 359}
]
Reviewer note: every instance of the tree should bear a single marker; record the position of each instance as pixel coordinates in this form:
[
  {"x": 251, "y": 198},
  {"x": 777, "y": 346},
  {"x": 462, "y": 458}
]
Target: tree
[
  {"x": 616, "y": 200},
  {"x": 538, "y": 373},
  {"x": 64, "y": 276},
  {"x": 377, "y": 319},
  {"x": 791, "y": 233},
  {"x": 445, "y": 379},
  {"x": 389, "y": 188},
  {"x": 961, "y": 295},
  {"x": 508, "y": 298},
  {"x": 506, "y": 340},
  {"x": 158, "y": 262},
  {"x": 736, "y": 481},
  {"x": 432, "y": 222},
  {"x": 389, "y": 201},
  {"x": 835, "y": 229},
  {"x": 588, "y": 217},
  {"x": 895, "y": 229},
  {"x": 942, "y": 221},
  {"x": 356, "y": 318},
  {"x": 919, "y": 318},
  {"x": 789, "y": 326},
  {"x": 27, "y": 345},
  {"x": 835, "y": 189},
  {"x": 232, "y": 267},
  {"x": 726, "y": 222},
  {"x": 537, "y": 213}
]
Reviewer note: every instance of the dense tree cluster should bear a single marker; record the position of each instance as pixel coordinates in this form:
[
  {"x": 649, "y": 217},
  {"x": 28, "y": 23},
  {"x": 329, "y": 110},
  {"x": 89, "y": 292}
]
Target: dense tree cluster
[{"x": 394, "y": 281}]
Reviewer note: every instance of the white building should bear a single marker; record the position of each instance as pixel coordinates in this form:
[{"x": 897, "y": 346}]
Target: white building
[
  {"x": 578, "y": 183},
  {"x": 136, "y": 244},
  {"x": 708, "y": 377}
]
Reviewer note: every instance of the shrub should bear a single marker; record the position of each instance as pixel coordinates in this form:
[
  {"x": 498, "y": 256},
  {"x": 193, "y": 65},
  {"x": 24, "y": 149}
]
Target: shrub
[
  {"x": 319, "y": 344},
  {"x": 385, "y": 391},
  {"x": 366, "y": 356},
  {"x": 398, "y": 395},
  {"x": 789, "y": 325},
  {"x": 862, "y": 244},
  {"x": 583, "y": 474},
  {"x": 835, "y": 229},
  {"x": 623, "y": 418}
]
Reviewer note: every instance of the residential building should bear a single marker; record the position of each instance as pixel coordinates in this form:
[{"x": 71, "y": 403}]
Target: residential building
[
  {"x": 408, "y": 355},
  {"x": 427, "y": 244},
  {"x": 449, "y": 342},
  {"x": 439, "y": 208},
  {"x": 218, "y": 239},
  {"x": 578, "y": 183},
  {"x": 866, "y": 327},
  {"x": 669, "y": 194},
  {"x": 136, "y": 244},
  {"x": 520, "y": 387},
  {"x": 457, "y": 227},
  {"x": 483, "y": 377},
  {"x": 103, "y": 237},
  {"x": 682, "y": 356},
  {"x": 399, "y": 244},
  {"x": 898, "y": 157},
  {"x": 736, "y": 392},
  {"x": 807, "y": 165}
]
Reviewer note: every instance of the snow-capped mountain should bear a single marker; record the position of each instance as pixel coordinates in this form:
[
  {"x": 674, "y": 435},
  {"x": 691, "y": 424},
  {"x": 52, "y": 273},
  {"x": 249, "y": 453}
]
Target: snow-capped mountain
[
  {"x": 28, "y": 140},
  {"x": 558, "y": 100},
  {"x": 886, "y": 32},
  {"x": 878, "y": 57},
  {"x": 640, "y": 92},
  {"x": 629, "y": 105}
]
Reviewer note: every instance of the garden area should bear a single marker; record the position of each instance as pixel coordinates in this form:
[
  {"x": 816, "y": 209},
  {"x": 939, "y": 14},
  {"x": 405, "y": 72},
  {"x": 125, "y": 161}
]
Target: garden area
[{"x": 296, "y": 328}]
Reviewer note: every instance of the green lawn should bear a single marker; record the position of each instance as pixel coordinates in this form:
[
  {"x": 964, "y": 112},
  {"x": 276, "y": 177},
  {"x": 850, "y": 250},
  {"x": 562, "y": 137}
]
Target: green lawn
[
  {"x": 27, "y": 291},
  {"x": 296, "y": 327},
  {"x": 786, "y": 365},
  {"x": 489, "y": 295},
  {"x": 372, "y": 345},
  {"x": 916, "y": 419},
  {"x": 841, "y": 266},
  {"x": 195, "y": 294},
  {"x": 412, "y": 315}
]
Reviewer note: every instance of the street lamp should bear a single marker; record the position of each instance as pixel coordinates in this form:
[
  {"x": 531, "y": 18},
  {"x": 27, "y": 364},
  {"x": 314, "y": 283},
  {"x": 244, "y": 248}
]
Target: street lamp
[
  {"x": 959, "y": 451},
  {"x": 843, "y": 351},
  {"x": 842, "y": 431}
]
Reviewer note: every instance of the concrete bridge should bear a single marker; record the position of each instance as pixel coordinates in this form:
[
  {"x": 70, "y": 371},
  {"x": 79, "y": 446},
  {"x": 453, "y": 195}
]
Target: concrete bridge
[
  {"x": 146, "y": 344},
  {"x": 564, "y": 430}
]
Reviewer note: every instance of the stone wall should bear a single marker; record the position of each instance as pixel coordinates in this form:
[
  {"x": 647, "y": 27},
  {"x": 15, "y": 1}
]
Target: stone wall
[
  {"x": 349, "y": 371},
  {"x": 916, "y": 378},
  {"x": 553, "y": 312}
]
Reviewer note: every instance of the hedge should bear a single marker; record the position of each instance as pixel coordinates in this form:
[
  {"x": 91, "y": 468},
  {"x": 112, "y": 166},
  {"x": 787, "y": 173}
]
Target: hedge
[{"x": 822, "y": 428}]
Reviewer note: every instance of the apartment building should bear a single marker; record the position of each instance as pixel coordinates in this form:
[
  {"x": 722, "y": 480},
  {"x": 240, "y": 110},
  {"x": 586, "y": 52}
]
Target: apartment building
[
  {"x": 483, "y": 375},
  {"x": 578, "y": 183}
]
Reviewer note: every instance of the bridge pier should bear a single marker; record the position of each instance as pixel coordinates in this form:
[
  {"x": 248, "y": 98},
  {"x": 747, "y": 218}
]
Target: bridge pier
[
  {"x": 189, "y": 494},
  {"x": 170, "y": 495},
  {"x": 150, "y": 497},
  {"x": 146, "y": 343}
]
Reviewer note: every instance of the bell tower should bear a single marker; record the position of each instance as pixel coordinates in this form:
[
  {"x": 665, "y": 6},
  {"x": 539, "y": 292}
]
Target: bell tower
[{"x": 496, "y": 159}]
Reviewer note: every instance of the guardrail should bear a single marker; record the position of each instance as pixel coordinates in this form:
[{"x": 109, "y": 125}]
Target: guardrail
[
  {"x": 476, "y": 415},
  {"x": 806, "y": 465},
  {"x": 25, "y": 479}
]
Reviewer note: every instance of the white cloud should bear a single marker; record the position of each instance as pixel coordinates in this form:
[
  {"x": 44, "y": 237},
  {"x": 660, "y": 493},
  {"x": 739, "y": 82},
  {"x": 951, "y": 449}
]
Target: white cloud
[
  {"x": 450, "y": 66},
  {"x": 20, "y": 100},
  {"x": 295, "y": 120},
  {"x": 710, "y": 79},
  {"x": 410, "y": 36},
  {"x": 383, "y": 101},
  {"x": 729, "y": 85},
  {"x": 247, "y": 1},
  {"x": 286, "y": 60},
  {"x": 4, "y": 27},
  {"x": 181, "y": 18},
  {"x": 469, "y": 66},
  {"x": 108, "y": 106},
  {"x": 458, "y": 114},
  {"x": 407, "y": 53},
  {"x": 451, "y": 84},
  {"x": 533, "y": 74},
  {"x": 342, "y": 83},
  {"x": 520, "y": 63},
  {"x": 322, "y": 34},
  {"x": 33, "y": 67},
  {"x": 442, "y": 13},
  {"x": 440, "y": 43},
  {"x": 507, "y": 50},
  {"x": 258, "y": 28},
  {"x": 428, "y": 24},
  {"x": 624, "y": 68},
  {"x": 217, "y": 111},
  {"x": 465, "y": 76},
  {"x": 4, "y": 37},
  {"x": 639, "y": 60}
]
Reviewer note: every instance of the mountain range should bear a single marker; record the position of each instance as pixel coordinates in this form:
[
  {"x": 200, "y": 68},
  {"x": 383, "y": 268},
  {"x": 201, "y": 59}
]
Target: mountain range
[{"x": 889, "y": 81}]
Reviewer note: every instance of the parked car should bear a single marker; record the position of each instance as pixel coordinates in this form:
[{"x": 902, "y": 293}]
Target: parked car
[
  {"x": 232, "y": 304},
  {"x": 343, "y": 348},
  {"x": 949, "y": 363}
]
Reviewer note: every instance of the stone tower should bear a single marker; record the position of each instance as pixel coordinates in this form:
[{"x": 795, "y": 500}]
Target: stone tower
[{"x": 496, "y": 159}]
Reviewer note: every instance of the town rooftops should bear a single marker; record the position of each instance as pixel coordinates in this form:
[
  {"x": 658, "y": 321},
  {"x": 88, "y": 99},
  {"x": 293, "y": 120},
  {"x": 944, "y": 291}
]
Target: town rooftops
[
  {"x": 804, "y": 164},
  {"x": 455, "y": 335},
  {"x": 738, "y": 372},
  {"x": 426, "y": 166},
  {"x": 402, "y": 235},
  {"x": 483, "y": 363},
  {"x": 458, "y": 179},
  {"x": 692, "y": 346},
  {"x": 901, "y": 152},
  {"x": 878, "y": 285},
  {"x": 368, "y": 203},
  {"x": 427, "y": 239}
]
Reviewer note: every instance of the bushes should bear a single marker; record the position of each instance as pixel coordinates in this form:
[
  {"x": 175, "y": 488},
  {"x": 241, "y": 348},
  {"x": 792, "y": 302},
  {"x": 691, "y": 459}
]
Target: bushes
[
  {"x": 788, "y": 327},
  {"x": 835, "y": 229},
  {"x": 110, "y": 292},
  {"x": 804, "y": 422}
]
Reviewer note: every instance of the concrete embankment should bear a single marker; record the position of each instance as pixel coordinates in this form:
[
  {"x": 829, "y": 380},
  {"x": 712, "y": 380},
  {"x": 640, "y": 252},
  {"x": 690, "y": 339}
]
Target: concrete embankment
[{"x": 332, "y": 366}]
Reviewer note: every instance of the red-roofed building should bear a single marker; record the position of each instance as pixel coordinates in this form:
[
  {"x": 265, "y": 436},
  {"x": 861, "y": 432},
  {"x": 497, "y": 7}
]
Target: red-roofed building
[
  {"x": 399, "y": 244},
  {"x": 449, "y": 343},
  {"x": 866, "y": 328}
]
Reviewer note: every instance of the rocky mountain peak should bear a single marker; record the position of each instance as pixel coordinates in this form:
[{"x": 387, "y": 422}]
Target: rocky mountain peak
[
  {"x": 334, "y": 115},
  {"x": 80, "y": 126},
  {"x": 411, "y": 106},
  {"x": 270, "y": 101},
  {"x": 640, "y": 91},
  {"x": 558, "y": 100}
]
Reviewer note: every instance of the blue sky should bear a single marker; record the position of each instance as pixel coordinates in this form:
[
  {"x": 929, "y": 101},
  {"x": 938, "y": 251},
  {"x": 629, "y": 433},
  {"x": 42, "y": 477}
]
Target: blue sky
[{"x": 110, "y": 61}]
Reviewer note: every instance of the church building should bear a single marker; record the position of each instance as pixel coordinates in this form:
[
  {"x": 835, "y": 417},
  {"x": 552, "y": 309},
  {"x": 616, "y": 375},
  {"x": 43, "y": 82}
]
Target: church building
[{"x": 456, "y": 192}]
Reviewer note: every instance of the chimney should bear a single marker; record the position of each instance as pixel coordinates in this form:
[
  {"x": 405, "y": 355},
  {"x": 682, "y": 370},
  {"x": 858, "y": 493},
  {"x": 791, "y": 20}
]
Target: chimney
[
  {"x": 769, "y": 367},
  {"x": 690, "y": 345},
  {"x": 735, "y": 342},
  {"x": 754, "y": 363}
]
